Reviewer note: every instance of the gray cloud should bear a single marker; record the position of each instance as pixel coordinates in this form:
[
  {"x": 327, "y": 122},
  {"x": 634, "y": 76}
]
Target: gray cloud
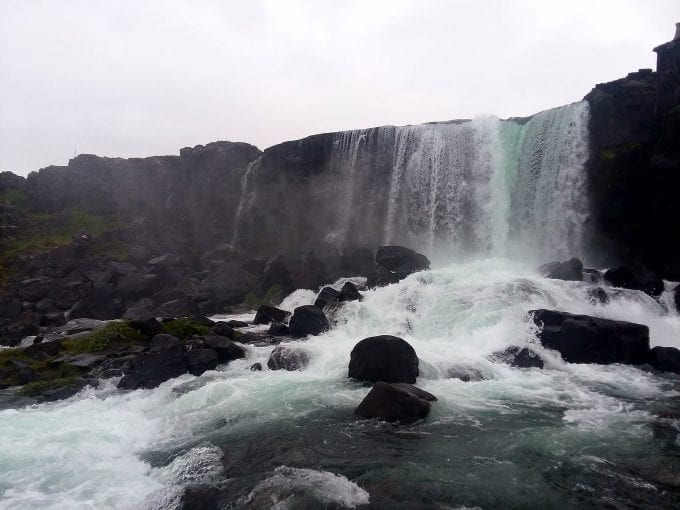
[{"x": 130, "y": 78}]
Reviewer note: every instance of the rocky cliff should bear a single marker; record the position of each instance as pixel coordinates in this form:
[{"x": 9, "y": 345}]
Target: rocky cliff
[{"x": 634, "y": 169}]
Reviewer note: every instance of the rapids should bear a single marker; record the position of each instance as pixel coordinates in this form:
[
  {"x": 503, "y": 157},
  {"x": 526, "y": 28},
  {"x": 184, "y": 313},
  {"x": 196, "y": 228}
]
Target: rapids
[{"x": 567, "y": 436}]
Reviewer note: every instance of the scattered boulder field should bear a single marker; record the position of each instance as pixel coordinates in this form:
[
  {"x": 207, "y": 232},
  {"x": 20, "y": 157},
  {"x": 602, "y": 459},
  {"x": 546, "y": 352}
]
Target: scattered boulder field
[{"x": 144, "y": 351}]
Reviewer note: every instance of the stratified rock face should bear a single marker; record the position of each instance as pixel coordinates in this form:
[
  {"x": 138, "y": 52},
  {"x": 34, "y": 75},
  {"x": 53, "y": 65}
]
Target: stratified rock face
[
  {"x": 586, "y": 339},
  {"x": 634, "y": 168},
  {"x": 384, "y": 358},
  {"x": 402, "y": 403}
]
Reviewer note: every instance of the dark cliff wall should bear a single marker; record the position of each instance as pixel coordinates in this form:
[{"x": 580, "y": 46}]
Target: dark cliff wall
[
  {"x": 634, "y": 169},
  {"x": 301, "y": 195},
  {"x": 189, "y": 199}
]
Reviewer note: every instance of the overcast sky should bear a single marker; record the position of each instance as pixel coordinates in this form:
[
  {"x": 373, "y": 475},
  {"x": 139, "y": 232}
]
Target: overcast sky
[{"x": 138, "y": 78}]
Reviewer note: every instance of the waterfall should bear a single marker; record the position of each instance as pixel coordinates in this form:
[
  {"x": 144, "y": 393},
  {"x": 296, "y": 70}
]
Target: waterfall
[
  {"x": 481, "y": 187},
  {"x": 546, "y": 158}
]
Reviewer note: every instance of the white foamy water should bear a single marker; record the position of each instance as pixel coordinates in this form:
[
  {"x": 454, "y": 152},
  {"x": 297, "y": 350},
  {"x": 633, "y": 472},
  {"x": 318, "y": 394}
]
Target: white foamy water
[{"x": 107, "y": 449}]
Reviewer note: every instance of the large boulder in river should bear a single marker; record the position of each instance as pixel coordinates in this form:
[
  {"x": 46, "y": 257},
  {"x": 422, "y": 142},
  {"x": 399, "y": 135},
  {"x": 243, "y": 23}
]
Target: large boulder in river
[
  {"x": 636, "y": 277},
  {"x": 308, "y": 320},
  {"x": 384, "y": 358},
  {"x": 394, "y": 263},
  {"x": 349, "y": 292},
  {"x": 266, "y": 314},
  {"x": 665, "y": 359},
  {"x": 326, "y": 296},
  {"x": 586, "y": 339},
  {"x": 200, "y": 360},
  {"x": 287, "y": 358},
  {"x": 395, "y": 402},
  {"x": 164, "y": 361},
  {"x": 570, "y": 270},
  {"x": 226, "y": 349}
]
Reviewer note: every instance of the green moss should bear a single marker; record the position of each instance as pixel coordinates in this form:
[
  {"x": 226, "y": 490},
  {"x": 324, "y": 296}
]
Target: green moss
[
  {"x": 114, "y": 334},
  {"x": 35, "y": 388},
  {"x": 41, "y": 232},
  {"x": 17, "y": 353},
  {"x": 16, "y": 198},
  {"x": 184, "y": 328}
]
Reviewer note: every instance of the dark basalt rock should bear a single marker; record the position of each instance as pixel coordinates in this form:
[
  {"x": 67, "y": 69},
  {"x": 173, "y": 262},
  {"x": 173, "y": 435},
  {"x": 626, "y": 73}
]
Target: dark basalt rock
[
  {"x": 164, "y": 361},
  {"x": 326, "y": 296},
  {"x": 570, "y": 270},
  {"x": 200, "y": 360},
  {"x": 278, "y": 329},
  {"x": 676, "y": 297},
  {"x": 176, "y": 308},
  {"x": 384, "y": 358},
  {"x": 98, "y": 303},
  {"x": 394, "y": 263},
  {"x": 349, "y": 292},
  {"x": 586, "y": 339},
  {"x": 226, "y": 349},
  {"x": 256, "y": 367},
  {"x": 136, "y": 285},
  {"x": 266, "y": 314},
  {"x": 635, "y": 277},
  {"x": 665, "y": 359},
  {"x": 237, "y": 324},
  {"x": 166, "y": 260},
  {"x": 199, "y": 497},
  {"x": 308, "y": 320},
  {"x": 147, "y": 326},
  {"x": 287, "y": 358},
  {"x": 519, "y": 357},
  {"x": 10, "y": 309},
  {"x": 402, "y": 403},
  {"x": 223, "y": 329}
]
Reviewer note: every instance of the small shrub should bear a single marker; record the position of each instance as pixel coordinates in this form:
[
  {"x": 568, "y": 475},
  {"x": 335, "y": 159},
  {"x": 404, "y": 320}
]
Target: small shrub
[
  {"x": 185, "y": 328},
  {"x": 114, "y": 334}
]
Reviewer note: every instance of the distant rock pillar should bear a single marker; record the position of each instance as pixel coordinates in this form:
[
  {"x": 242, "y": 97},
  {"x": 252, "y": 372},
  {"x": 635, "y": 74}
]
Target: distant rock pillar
[{"x": 677, "y": 32}]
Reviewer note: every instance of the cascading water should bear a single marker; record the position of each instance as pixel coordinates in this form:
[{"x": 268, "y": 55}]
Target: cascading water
[
  {"x": 462, "y": 188},
  {"x": 567, "y": 436}
]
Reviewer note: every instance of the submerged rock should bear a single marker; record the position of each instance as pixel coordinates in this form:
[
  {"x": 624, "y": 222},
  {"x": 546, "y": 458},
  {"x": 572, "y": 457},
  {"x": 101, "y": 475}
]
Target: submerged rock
[
  {"x": 586, "y": 339},
  {"x": 308, "y": 320},
  {"x": 400, "y": 402},
  {"x": 570, "y": 270},
  {"x": 287, "y": 358},
  {"x": 519, "y": 357},
  {"x": 598, "y": 296},
  {"x": 384, "y": 358},
  {"x": 266, "y": 314}
]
